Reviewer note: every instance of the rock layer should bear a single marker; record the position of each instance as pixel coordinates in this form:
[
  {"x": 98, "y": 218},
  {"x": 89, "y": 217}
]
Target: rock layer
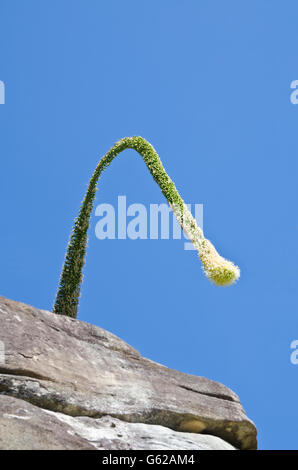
[{"x": 26, "y": 427}]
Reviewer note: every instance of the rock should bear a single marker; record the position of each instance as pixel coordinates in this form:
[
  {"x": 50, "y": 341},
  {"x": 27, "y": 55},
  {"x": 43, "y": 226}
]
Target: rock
[
  {"x": 73, "y": 368},
  {"x": 26, "y": 427}
]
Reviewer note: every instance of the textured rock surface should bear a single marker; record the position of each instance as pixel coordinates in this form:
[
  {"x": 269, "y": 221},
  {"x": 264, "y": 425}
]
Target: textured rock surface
[
  {"x": 67, "y": 366},
  {"x": 25, "y": 426}
]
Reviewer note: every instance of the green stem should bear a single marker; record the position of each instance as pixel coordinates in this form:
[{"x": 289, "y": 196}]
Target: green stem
[{"x": 218, "y": 269}]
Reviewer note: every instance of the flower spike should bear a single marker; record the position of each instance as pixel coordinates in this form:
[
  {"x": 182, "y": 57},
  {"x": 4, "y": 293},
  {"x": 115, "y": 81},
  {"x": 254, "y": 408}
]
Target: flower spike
[{"x": 218, "y": 270}]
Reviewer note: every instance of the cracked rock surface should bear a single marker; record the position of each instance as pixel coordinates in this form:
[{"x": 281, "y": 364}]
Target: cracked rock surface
[
  {"x": 80, "y": 381},
  {"x": 26, "y": 427}
]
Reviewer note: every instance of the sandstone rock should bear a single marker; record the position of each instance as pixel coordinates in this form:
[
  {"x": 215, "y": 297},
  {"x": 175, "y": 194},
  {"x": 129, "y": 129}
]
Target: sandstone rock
[
  {"x": 26, "y": 427},
  {"x": 67, "y": 366}
]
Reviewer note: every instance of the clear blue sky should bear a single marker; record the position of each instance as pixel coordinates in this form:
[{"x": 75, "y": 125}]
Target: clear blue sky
[{"x": 208, "y": 84}]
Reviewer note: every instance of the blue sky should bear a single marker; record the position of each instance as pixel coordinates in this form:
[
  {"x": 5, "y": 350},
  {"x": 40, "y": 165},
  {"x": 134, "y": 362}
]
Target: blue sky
[{"x": 208, "y": 84}]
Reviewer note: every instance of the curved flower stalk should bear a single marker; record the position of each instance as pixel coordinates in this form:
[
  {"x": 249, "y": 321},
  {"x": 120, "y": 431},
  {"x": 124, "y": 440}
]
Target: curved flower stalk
[{"x": 217, "y": 269}]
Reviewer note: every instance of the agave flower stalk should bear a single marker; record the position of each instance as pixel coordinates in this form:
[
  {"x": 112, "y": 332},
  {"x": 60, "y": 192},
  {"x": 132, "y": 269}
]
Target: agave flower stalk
[{"x": 217, "y": 268}]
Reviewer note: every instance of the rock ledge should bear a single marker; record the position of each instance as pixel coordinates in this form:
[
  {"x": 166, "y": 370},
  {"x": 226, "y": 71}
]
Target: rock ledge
[{"x": 68, "y": 384}]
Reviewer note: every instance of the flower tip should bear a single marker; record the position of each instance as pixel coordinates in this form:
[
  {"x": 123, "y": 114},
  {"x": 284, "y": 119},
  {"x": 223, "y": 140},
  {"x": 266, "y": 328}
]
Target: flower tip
[
  {"x": 224, "y": 275},
  {"x": 219, "y": 270}
]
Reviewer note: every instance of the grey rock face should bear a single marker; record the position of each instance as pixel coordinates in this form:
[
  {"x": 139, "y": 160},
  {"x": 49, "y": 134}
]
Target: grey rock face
[
  {"x": 78, "y": 370},
  {"x": 26, "y": 427}
]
